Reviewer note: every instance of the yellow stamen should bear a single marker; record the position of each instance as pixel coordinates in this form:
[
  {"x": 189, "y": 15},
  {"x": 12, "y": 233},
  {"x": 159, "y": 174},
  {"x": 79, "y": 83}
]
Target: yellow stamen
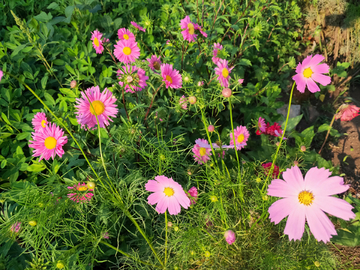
[
  {"x": 82, "y": 188},
  {"x": 125, "y": 36},
  {"x": 306, "y": 197},
  {"x": 43, "y": 123},
  {"x": 307, "y": 73},
  {"x": 259, "y": 125},
  {"x": 127, "y": 51},
  {"x": 191, "y": 28},
  {"x": 96, "y": 42},
  {"x": 99, "y": 107},
  {"x": 50, "y": 143},
  {"x": 168, "y": 78},
  {"x": 168, "y": 191},
  {"x": 240, "y": 138},
  {"x": 225, "y": 72},
  {"x": 202, "y": 151}
]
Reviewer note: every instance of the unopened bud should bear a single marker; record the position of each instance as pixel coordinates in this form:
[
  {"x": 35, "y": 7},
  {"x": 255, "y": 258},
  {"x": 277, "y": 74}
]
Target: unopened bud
[
  {"x": 192, "y": 100},
  {"x": 226, "y": 92},
  {"x": 211, "y": 128},
  {"x": 303, "y": 148},
  {"x": 73, "y": 84}
]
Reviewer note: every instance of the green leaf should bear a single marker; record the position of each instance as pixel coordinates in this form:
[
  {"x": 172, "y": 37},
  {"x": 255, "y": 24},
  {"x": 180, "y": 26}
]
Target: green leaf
[
  {"x": 23, "y": 135},
  {"x": 70, "y": 69},
  {"x": 49, "y": 98},
  {"x": 59, "y": 62},
  {"x": 53, "y": 5},
  {"x": 19, "y": 151},
  {"x": 3, "y": 164},
  {"x": 68, "y": 92},
  {"x": 69, "y": 11},
  {"x": 36, "y": 167},
  {"x": 292, "y": 123},
  {"x": 4, "y": 117},
  {"x": 245, "y": 62},
  {"x": 43, "y": 17},
  {"x": 17, "y": 50},
  {"x": 44, "y": 81}
]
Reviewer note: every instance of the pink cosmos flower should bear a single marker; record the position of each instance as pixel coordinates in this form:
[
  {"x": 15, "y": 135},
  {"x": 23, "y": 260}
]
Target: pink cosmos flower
[
  {"x": 97, "y": 42},
  {"x": 81, "y": 193},
  {"x": 171, "y": 76},
  {"x": 1, "y": 74},
  {"x": 135, "y": 78},
  {"x": 154, "y": 62},
  {"x": 347, "y": 112},
  {"x": 261, "y": 124},
  {"x": 230, "y": 237},
  {"x": 223, "y": 71},
  {"x": 217, "y": 47},
  {"x": 201, "y": 31},
  {"x": 168, "y": 194},
  {"x": 306, "y": 199},
  {"x": 125, "y": 34},
  {"x": 240, "y": 81},
  {"x": 48, "y": 142},
  {"x": 138, "y": 26},
  {"x": 202, "y": 153},
  {"x": 103, "y": 105},
  {"x": 183, "y": 102},
  {"x": 241, "y": 136},
  {"x": 39, "y": 121},
  {"x": 189, "y": 32},
  {"x": 267, "y": 167},
  {"x": 310, "y": 72},
  {"x": 15, "y": 228},
  {"x": 126, "y": 51},
  {"x": 193, "y": 194}
]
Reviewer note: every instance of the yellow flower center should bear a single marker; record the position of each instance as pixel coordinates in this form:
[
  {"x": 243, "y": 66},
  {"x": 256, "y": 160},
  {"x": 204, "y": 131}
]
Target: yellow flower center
[
  {"x": 156, "y": 65},
  {"x": 98, "y": 106},
  {"x": 168, "y": 191},
  {"x": 240, "y": 138},
  {"x": 50, "y": 142},
  {"x": 202, "y": 151},
  {"x": 225, "y": 72},
  {"x": 307, "y": 73},
  {"x": 127, "y": 51},
  {"x": 96, "y": 42},
  {"x": 259, "y": 125},
  {"x": 168, "y": 78},
  {"x": 191, "y": 28},
  {"x": 82, "y": 188},
  {"x": 43, "y": 123},
  {"x": 125, "y": 36},
  {"x": 306, "y": 197}
]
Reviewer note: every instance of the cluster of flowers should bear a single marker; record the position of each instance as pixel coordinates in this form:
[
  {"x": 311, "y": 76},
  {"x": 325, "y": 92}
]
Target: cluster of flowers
[{"x": 273, "y": 130}]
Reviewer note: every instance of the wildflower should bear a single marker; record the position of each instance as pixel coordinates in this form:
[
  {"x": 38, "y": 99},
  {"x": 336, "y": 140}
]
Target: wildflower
[
  {"x": 201, "y": 153},
  {"x": 240, "y": 81},
  {"x": 241, "y": 136},
  {"x": 1, "y": 74},
  {"x": 189, "y": 29},
  {"x": 91, "y": 185},
  {"x": 15, "y": 228},
  {"x": 170, "y": 224},
  {"x": 211, "y": 128},
  {"x": 126, "y": 51},
  {"x": 32, "y": 223},
  {"x": 48, "y": 142},
  {"x": 226, "y": 92},
  {"x": 223, "y": 71},
  {"x": 267, "y": 167},
  {"x": 217, "y": 47},
  {"x": 106, "y": 235},
  {"x": 176, "y": 228},
  {"x": 192, "y": 100},
  {"x": 135, "y": 78},
  {"x": 168, "y": 42},
  {"x": 193, "y": 195},
  {"x": 261, "y": 124},
  {"x": 200, "y": 83},
  {"x": 308, "y": 199},
  {"x": 60, "y": 265},
  {"x": 81, "y": 193},
  {"x": 347, "y": 112},
  {"x": 103, "y": 106},
  {"x": 183, "y": 102},
  {"x": 168, "y": 194},
  {"x": 230, "y": 237},
  {"x": 125, "y": 34},
  {"x": 171, "y": 76},
  {"x": 138, "y": 26},
  {"x": 310, "y": 72},
  {"x": 39, "y": 121},
  {"x": 207, "y": 254},
  {"x": 73, "y": 84},
  {"x": 213, "y": 198},
  {"x": 154, "y": 62},
  {"x": 274, "y": 130},
  {"x": 97, "y": 42}
]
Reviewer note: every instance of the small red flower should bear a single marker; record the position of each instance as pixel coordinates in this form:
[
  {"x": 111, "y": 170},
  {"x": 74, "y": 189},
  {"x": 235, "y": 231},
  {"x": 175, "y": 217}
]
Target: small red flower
[{"x": 267, "y": 167}]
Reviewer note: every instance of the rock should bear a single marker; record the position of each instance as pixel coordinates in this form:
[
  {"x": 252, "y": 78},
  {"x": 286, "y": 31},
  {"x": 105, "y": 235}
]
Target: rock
[{"x": 294, "y": 111}]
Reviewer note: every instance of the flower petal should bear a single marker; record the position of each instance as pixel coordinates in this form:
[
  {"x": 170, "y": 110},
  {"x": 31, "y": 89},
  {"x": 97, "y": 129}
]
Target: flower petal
[
  {"x": 335, "y": 206},
  {"x": 319, "y": 224},
  {"x": 306, "y": 62},
  {"x": 280, "y": 209},
  {"x": 300, "y": 82},
  {"x": 293, "y": 177},
  {"x": 315, "y": 180},
  {"x": 312, "y": 86},
  {"x": 280, "y": 188},
  {"x": 174, "y": 206},
  {"x": 296, "y": 221},
  {"x": 155, "y": 197},
  {"x": 322, "y": 68},
  {"x": 316, "y": 60},
  {"x": 152, "y": 186},
  {"x": 320, "y": 78},
  {"x": 162, "y": 205}
]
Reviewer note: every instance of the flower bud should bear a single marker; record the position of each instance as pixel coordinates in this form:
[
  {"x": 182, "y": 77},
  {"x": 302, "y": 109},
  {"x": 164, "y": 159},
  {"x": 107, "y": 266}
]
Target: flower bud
[
  {"x": 230, "y": 237},
  {"x": 91, "y": 185},
  {"x": 211, "y": 128},
  {"x": 32, "y": 223},
  {"x": 296, "y": 163},
  {"x": 303, "y": 148},
  {"x": 60, "y": 265},
  {"x": 73, "y": 84},
  {"x": 226, "y": 92},
  {"x": 169, "y": 224},
  {"x": 192, "y": 100}
]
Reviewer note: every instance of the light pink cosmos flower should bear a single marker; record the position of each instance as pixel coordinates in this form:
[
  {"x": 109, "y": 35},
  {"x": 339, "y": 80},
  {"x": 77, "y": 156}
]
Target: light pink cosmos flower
[
  {"x": 168, "y": 195},
  {"x": 230, "y": 237},
  {"x": 217, "y": 47},
  {"x": 154, "y": 62},
  {"x": 125, "y": 34},
  {"x": 103, "y": 104},
  {"x": 310, "y": 72},
  {"x": 171, "y": 77},
  {"x": 97, "y": 42},
  {"x": 48, "y": 142},
  {"x": 126, "y": 51},
  {"x": 15, "y": 228},
  {"x": 223, "y": 71},
  {"x": 183, "y": 102},
  {"x": 135, "y": 78},
  {"x": 1, "y": 74},
  {"x": 138, "y": 26},
  {"x": 241, "y": 136},
  {"x": 306, "y": 199},
  {"x": 347, "y": 112},
  {"x": 81, "y": 193},
  {"x": 240, "y": 81},
  {"x": 39, "y": 121},
  {"x": 193, "y": 195},
  {"x": 201, "y": 153},
  {"x": 261, "y": 124}
]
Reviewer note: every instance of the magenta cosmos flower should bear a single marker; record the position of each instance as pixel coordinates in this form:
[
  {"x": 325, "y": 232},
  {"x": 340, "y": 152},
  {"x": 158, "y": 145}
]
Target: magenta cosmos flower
[
  {"x": 202, "y": 151},
  {"x": 167, "y": 195},
  {"x": 126, "y": 51},
  {"x": 125, "y": 34},
  {"x": 134, "y": 77},
  {"x": 171, "y": 76},
  {"x": 48, "y": 142},
  {"x": 103, "y": 105},
  {"x": 154, "y": 62},
  {"x": 310, "y": 72},
  {"x": 261, "y": 124},
  {"x": 81, "y": 193},
  {"x": 39, "y": 121},
  {"x": 138, "y": 26},
  {"x": 189, "y": 29},
  {"x": 241, "y": 136},
  {"x": 193, "y": 194},
  {"x": 183, "y": 102},
  {"x": 347, "y": 112},
  {"x": 223, "y": 71},
  {"x": 97, "y": 42},
  {"x": 230, "y": 237},
  {"x": 217, "y": 47},
  {"x": 306, "y": 199},
  {"x": 1, "y": 74}
]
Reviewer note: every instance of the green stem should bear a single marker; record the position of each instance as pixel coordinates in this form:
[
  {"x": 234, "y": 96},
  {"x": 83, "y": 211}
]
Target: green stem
[
  {"x": 166, "y": 238},
  {"x": 327, "y": 134}
]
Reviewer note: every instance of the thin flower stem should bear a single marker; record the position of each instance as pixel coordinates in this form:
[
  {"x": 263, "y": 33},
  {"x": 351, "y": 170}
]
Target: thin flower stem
[
  {"x": 327, "y": 134},
  {"x": 208, "y": 135},
  {"x": 123, "y": 96},
  {"x": 147, "y": 112},
  {"x": 166, "y": 238}
]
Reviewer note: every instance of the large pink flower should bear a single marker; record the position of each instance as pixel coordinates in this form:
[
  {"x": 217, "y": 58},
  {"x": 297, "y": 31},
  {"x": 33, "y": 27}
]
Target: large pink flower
[
  {"x": 39, "y": 121},
  {"x": 97, "y": 42},
  {"x": 189, "y": 32},
  {"x": 223, "y": 71},
  {"x": 154, "y": 62},
  {"x": 171, "y": 77},
  {"x": 81, "y": 193},
  {"x": 103, "y": 106},
  {"x": 168, "y": 194},
  {"x": 347, "y": 112},
  {"x": 306, "y": 199},
  {"x": 138, "y": 26},
  {"x": 135, "y": 78},
  {"x": 217, "y": 47},
  {"x": 241, "y": 136},
  {"x": 309, "y": 72},
  {"x": 126, "y": 51},
  {"x": 125, "y": 34},
  {"x": 48, "y": 142}
]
